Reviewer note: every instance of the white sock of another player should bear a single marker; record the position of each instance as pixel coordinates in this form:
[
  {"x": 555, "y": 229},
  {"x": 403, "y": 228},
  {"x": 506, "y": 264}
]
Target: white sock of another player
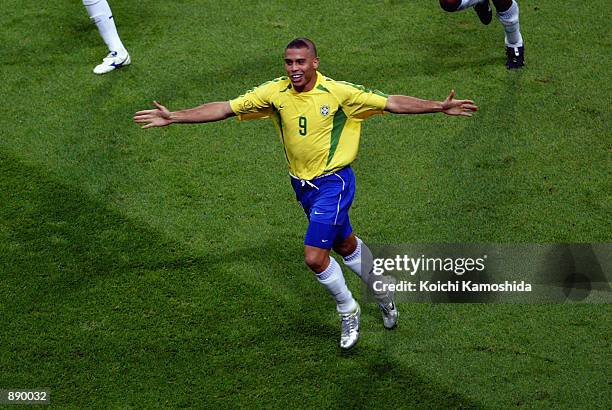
[
  {"x": 361, "y": 262},
  {"x": 333, "y": 280},
  {"x": 510, "y": 20},
  {"x": 100, "y": 13},
  {"x": 468, "y": 3}
]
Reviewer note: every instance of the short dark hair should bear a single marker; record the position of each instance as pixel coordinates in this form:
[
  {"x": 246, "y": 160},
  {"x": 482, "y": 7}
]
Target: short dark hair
[{"x": 303, "y": 42}]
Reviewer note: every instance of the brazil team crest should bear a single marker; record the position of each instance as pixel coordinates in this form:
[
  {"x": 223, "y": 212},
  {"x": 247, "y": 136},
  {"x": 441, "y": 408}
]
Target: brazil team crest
[{"x": 325, "y": 110}]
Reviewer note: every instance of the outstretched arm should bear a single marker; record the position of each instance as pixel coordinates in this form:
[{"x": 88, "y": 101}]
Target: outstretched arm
[
  {"x": 403, "y": 104},
  {"x": 161, "y": 116}
]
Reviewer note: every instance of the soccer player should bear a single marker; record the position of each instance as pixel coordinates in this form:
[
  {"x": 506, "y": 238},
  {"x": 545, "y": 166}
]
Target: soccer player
[
  {"x": 508, "y": 16},
  {"x": 100, "y": 13},
  {"x": 319, "y": 121}
]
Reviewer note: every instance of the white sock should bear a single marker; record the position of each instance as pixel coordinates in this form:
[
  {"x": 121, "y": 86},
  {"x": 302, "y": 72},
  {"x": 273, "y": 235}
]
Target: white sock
[
  {"x": 361, "y": 262},
  {"x": 467, "y": 3},
  {"x": 510, "y": 20},
  {"x": 100, "y": 13},
  {"x": 353, "y": 261},
  {"x": 333, "y": 280}
]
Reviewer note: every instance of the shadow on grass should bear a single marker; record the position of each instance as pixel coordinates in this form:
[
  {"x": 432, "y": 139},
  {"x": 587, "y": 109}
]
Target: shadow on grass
[
  {"x": 67, "y": 247},
  {"x": 58, "y": 234},
  {"x": 483, "y": 184},
  {"x": 388, "y": 383},
  {"x": 449, "y": 52}
]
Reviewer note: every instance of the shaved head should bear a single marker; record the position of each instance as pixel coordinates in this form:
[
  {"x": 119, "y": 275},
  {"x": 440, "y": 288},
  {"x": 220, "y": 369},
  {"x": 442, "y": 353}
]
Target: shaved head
[{"x": 303, "y": 42}]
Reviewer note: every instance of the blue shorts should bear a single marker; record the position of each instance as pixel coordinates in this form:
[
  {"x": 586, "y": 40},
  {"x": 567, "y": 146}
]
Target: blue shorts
[{"x": 326, "y": 201}]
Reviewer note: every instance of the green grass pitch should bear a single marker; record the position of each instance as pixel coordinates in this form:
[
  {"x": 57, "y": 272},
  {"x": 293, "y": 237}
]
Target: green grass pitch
[{"x": 163, "y": 268}]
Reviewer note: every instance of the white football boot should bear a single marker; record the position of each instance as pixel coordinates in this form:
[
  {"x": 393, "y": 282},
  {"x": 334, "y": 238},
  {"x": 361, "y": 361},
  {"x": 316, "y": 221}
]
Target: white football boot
[
  {"x": 111, "y": 62},
  {"x": 386, "y": 303},
  {"x": 350, "y": 328},
  {"x": 389, "y": 314}
]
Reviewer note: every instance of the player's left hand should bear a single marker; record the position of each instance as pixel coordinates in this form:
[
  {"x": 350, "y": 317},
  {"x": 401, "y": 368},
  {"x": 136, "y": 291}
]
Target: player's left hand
[
  {"x": 450, "y": 106},
  {"x": 159, "y": 117}
]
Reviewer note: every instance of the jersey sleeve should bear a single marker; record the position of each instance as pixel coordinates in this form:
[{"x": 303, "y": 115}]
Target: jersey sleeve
[
  {"x": 360, "y": 103},
  {"x": 255, "y": 103}
]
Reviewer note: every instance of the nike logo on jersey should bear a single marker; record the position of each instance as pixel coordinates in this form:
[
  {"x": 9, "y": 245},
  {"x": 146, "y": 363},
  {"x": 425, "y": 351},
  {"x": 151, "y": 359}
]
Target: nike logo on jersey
[{"x": 318, "y": 213}]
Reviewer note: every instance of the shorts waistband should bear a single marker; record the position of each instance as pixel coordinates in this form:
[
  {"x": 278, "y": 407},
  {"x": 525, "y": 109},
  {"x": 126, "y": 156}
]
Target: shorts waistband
[{"x": 318, "y": 177}]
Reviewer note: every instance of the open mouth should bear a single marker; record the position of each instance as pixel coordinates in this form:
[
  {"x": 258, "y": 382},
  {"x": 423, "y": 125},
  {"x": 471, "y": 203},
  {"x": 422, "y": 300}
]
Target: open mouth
[{"x": 296, "y": 77}]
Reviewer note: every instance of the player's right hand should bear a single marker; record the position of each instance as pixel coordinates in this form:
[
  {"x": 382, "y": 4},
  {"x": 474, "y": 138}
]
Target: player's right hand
[{"x": 159, "y": 117}]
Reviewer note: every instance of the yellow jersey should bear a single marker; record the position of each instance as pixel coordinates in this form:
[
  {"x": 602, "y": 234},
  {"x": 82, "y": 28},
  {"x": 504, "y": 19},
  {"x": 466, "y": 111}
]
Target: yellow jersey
[{"x": 320, "y": 128}]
